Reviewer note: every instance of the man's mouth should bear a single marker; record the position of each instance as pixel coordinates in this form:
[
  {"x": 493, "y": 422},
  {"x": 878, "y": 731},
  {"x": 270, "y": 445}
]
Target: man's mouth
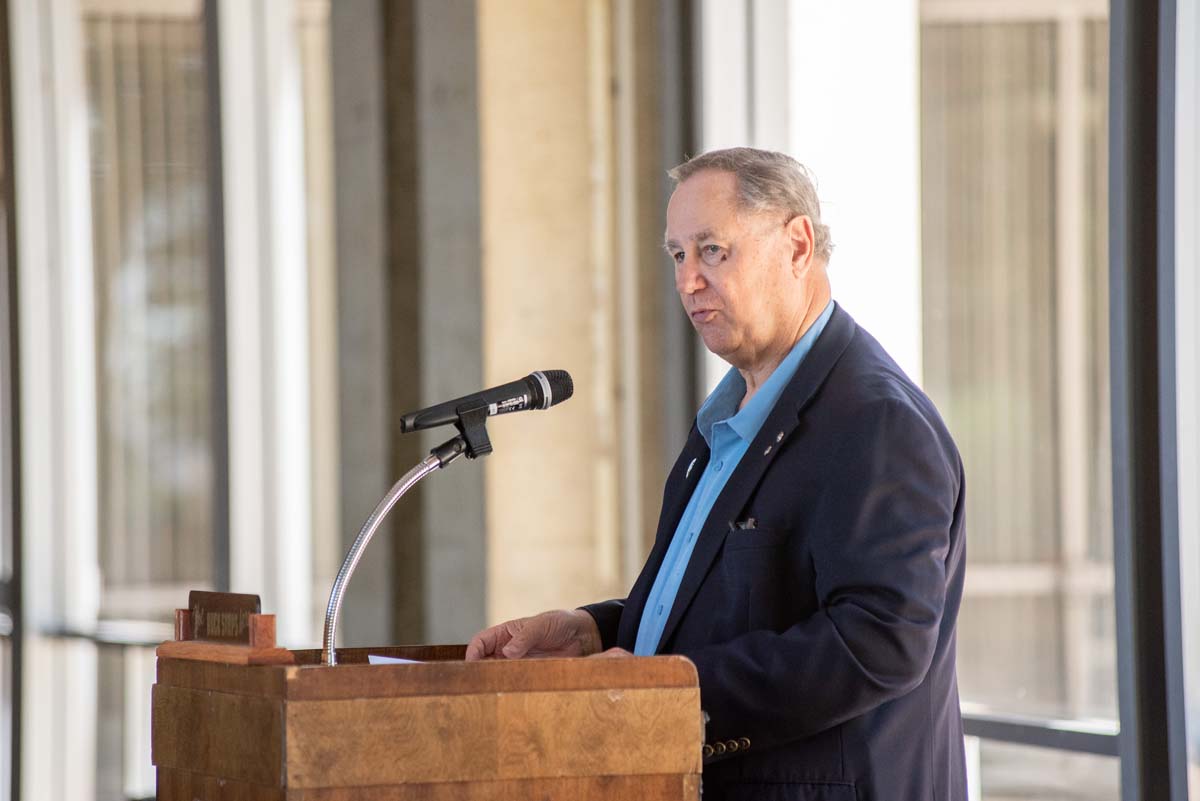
[{"x": 702, "y": 315}]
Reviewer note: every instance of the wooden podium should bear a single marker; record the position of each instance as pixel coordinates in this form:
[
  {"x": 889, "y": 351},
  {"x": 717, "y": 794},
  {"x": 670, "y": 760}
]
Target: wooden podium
[{"x": 245, "y": 721}]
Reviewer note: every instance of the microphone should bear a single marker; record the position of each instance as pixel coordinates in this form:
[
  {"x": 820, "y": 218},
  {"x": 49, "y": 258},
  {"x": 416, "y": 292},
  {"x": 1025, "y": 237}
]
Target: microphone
[{"x": 538, "y": 390}]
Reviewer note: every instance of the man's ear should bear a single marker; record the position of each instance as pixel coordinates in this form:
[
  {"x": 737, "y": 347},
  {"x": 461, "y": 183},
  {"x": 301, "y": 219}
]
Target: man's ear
[{"x": 803, "y": 241}]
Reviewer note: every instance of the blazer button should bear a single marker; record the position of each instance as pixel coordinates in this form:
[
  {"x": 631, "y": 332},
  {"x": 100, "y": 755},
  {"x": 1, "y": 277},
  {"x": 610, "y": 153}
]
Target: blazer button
[
  {"x": 719, "y": 749},
  {"x": 744, "y": 742},
  {"x": 732, "y": 746},
  {"x": 707, "y": 751}
]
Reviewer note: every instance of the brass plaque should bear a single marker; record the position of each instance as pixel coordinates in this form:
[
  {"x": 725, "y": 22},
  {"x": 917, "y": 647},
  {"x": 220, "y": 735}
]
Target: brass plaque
[{"x": 222, "y": 616}]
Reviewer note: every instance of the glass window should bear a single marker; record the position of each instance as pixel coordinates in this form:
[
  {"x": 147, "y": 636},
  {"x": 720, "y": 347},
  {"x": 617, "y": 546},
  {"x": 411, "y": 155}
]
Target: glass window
[
  {"x": 1022, "y": 773},
  {"x": 148, "y": 110},
  {"x": 146, "y": 92},
  {"x": 1015, "y": 331}
]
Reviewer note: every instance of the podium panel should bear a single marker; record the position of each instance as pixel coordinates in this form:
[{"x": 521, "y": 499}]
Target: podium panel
[{"x": 576, "y": 729}]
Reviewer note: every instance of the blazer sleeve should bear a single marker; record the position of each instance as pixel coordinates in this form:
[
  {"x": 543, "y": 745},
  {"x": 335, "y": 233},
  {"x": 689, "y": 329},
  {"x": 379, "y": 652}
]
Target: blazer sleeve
[
  {"x": 608, "y": 619},
  {"x": 885, "y": 514}
]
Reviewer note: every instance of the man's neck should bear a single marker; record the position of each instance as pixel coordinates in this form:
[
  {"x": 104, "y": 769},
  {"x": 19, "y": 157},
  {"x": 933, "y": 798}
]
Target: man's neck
[{"x": 757, "y": 375}]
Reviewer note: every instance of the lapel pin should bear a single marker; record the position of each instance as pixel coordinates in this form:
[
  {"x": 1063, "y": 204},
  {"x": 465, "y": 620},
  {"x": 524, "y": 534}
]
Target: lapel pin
[{"x": 691, "y": 464}]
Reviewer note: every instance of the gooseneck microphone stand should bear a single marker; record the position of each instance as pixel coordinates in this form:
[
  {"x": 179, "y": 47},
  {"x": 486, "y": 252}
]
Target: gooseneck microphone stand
[{"x": 472, "y": 441}]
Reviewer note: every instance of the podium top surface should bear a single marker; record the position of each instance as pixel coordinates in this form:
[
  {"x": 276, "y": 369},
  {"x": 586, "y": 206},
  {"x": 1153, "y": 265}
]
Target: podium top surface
[{"x": 443, "y": 674}]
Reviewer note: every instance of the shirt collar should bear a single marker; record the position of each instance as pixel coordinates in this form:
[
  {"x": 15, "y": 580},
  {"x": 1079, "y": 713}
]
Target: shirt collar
[{"x": 722, "y": 404}]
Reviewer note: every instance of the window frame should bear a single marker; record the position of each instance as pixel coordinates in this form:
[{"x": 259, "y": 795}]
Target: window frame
[
  {"x": 1145, "y": 465},
  {"x": 10, "y": 445}
]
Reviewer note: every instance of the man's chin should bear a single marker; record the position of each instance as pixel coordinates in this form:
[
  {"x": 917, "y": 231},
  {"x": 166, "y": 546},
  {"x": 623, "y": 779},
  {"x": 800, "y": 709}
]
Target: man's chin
[{"x": 718, "y": 347}]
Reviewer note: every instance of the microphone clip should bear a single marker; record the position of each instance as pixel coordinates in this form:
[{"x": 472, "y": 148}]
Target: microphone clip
[{"x": 471, "y": 423}]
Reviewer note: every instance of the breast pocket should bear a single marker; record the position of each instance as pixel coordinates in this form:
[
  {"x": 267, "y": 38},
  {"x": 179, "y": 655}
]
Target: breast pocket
[
  {"x": 754, "y": 564},
  {"x": 746, "y": 539}
]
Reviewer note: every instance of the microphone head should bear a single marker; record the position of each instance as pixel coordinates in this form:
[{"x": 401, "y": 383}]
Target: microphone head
[{"x": 553, "y": 386}]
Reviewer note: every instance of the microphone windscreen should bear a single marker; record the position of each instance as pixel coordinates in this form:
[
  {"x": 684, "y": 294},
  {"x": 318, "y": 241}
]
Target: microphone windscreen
[{"x": 561, "y": 385}]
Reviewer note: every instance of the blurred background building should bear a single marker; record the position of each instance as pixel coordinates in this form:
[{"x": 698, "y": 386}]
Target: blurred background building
[{"x": 240, "y": 237}]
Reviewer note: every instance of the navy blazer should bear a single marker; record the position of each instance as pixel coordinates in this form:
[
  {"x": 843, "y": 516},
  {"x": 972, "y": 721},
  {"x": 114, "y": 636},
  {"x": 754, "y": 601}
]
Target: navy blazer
[{"x": 819, "y": 604}]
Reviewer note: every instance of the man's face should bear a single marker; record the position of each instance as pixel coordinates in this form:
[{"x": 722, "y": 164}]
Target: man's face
[{"x": 733, "y": 271}]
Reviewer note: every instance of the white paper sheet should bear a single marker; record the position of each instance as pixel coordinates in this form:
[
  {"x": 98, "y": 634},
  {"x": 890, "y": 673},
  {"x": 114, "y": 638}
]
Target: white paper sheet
[{"x": 376, "y": 659}]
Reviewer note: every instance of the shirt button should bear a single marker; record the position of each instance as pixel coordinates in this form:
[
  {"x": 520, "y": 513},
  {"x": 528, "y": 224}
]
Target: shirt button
[
  {"x": 691, "y": 536},
  {"x": 720, "y": 464},
  {"x": 658, "y": 611}
]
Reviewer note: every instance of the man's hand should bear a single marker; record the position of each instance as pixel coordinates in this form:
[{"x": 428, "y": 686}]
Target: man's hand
[{"x": 559, "y": 633}]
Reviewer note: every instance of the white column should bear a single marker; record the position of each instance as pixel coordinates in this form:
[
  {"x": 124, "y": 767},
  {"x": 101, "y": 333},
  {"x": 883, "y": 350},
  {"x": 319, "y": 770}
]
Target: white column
[
  {"x": 724, "y": 73},
  {"x": 770, "y": 74},
  {"x": 58, "y": 397},
  {"x": 972, "y": 747},
  {"x": 723, "y": 68},
  {"x": 139, "y": 668},
  {"x": 266, "y": 291},
  {"x": 1073, "y": 349},
  {"x": 854, "y": 122}
]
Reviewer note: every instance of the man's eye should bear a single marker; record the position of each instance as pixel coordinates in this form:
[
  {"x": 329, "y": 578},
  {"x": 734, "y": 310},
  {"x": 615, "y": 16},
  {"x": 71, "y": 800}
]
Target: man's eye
[
  {"x": 677, "y": 257},
  {"x": 712, "y": 250}
]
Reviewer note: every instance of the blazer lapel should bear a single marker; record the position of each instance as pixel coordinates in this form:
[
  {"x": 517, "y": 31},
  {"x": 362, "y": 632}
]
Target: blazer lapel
[
  {"x": 779, "y": 425},
  {"x": 681, "y": 483}
]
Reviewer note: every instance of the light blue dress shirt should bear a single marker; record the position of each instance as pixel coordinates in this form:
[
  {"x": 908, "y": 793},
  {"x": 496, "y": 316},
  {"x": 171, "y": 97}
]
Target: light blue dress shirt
[{"x": 728, "y": 433}]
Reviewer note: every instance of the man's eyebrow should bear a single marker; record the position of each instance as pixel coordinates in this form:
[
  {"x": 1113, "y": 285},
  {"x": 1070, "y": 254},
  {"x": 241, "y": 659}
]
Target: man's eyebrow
[{"x": 697, "y": 237}]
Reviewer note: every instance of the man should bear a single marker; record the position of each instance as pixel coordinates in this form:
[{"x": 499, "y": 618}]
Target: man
[{"x": 809, "y": 556}]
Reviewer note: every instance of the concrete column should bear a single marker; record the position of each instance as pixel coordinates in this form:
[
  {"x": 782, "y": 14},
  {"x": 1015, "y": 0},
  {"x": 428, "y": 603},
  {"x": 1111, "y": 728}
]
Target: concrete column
[
  {"x": 364, "y": 404},
  {"x": 410, "y": 321},
  {"x": 545, "y": 120},
  {"x": 451, "y": 315}
]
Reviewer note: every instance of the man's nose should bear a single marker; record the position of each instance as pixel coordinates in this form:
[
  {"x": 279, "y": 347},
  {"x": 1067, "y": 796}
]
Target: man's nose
[{"x": 688, "y": 279}]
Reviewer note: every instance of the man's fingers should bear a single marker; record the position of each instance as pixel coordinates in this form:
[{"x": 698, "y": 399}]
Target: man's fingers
[
  {"x": 554, "y": 633},
  {"x": 475, "y": 649},
  {"x": 486, "y": 643}
]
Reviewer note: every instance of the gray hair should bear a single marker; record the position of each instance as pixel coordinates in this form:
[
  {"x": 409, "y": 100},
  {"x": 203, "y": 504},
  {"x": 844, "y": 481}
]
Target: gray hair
[{"x": 766, "y": 181}]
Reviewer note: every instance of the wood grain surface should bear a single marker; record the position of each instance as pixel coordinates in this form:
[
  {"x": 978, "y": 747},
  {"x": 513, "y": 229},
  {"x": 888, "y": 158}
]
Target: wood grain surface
[
  {"x": 174, "y": 785},
  {"x": 547, "y": 728},
  {"x": 599, "y": 733},
  {"x": 501, "y": 675},
  {"x": 202, "y": 651},
  {"x": 390, "y": 740},
  {"x": 268, "y": 681},
  {"x": 217, "y": 734},
  {"x": 358, "y": 680},
  {"x": 500, "y": 735}
]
